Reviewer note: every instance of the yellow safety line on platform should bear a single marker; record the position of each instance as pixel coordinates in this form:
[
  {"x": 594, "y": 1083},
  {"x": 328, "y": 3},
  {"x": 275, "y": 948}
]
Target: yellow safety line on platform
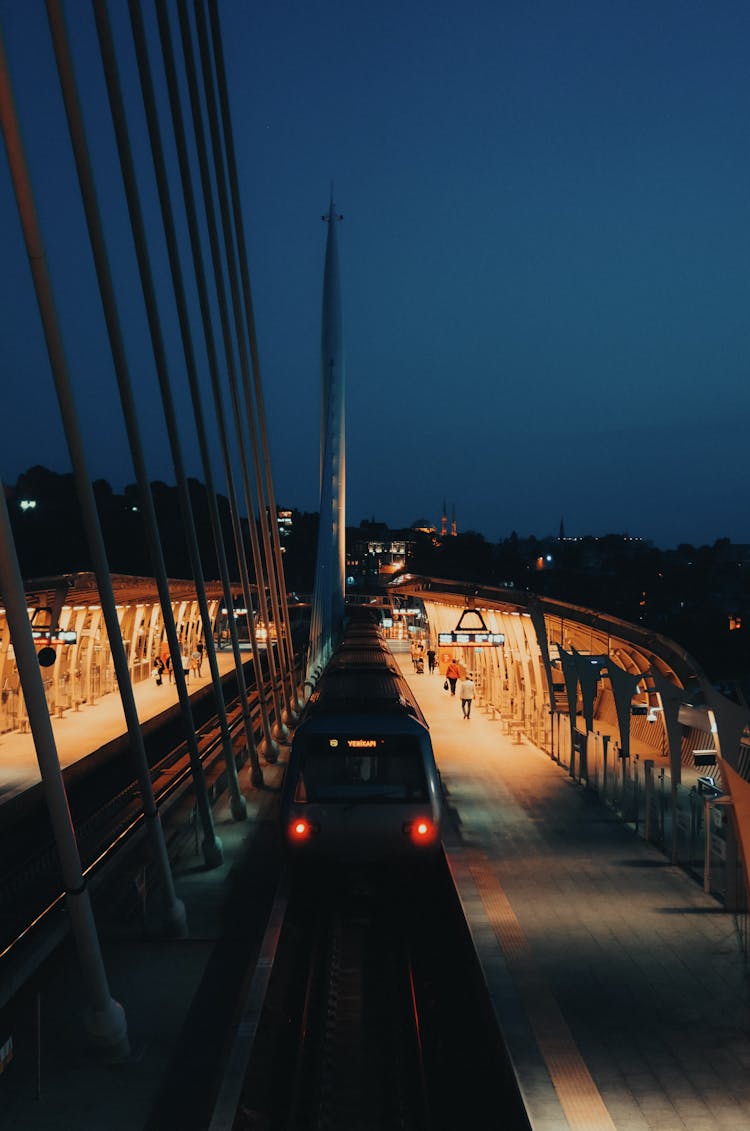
[{"x": 579, "y": 1096}]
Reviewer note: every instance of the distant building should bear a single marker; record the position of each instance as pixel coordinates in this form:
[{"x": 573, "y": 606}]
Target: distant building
[
  {"x": 375, "y": 551},
  {"x": 284, "y": 522}
]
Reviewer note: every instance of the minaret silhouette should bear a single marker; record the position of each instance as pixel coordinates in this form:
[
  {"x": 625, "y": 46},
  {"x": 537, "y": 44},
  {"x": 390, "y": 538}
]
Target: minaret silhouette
[
  {"x": 453, "y": 521},
  {"x": 444, "y": 521}
]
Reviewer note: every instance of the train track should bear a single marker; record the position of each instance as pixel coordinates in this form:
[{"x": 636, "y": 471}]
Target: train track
[
  {"x": 357, "y": 1047},
  {"x": 376, "y": 1015}
]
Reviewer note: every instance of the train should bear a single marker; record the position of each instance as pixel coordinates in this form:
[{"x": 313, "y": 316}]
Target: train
[{"x": 361, "y": 782}]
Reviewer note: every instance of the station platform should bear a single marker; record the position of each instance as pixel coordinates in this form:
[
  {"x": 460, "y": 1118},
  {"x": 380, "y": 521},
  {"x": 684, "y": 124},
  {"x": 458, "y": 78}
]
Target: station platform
[
  {"x": 93, "y": 725},
  {"x": 619, "y": 984}
]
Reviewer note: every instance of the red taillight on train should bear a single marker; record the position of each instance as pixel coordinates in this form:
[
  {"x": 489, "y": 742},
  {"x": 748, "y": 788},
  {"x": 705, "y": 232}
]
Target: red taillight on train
[
  {"x": 421, "y": 831},
  {"x": 300, "y": 829}
]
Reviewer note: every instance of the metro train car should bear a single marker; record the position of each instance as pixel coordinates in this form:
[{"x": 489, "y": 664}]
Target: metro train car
[{"x": 361, "y": 782}]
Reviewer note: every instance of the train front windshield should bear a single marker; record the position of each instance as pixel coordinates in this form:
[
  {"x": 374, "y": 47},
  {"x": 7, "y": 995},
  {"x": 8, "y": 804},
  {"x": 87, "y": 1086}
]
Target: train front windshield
[{"x": 364, "y": 769}]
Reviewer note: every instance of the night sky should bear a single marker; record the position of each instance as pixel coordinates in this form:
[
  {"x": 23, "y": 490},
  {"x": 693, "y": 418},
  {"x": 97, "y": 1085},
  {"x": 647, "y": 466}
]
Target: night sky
[{"x": 545, "y": 257}]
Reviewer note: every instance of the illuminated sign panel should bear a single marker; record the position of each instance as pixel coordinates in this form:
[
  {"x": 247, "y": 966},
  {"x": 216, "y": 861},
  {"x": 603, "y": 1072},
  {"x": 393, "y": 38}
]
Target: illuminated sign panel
[
  {"x": 474, "y": 635},
  {"x": 355, "y": 743},
  {"x": 473, "y": 639},
  {"x": 62, "y": 637}
]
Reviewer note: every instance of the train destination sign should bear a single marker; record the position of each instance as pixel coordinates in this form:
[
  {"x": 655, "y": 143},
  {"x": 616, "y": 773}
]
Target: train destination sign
[
  {"x": 355, "y": 743},
  {"x": 470, "y": 639}
]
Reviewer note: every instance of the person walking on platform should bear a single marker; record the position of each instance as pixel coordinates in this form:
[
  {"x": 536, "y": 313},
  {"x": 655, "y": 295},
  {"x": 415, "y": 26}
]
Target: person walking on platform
[
  {"x": 157, "y": 670},
  {"x": 431, "y": 660},
  {"x": 466, "y": 691},
  {"x": 452, "y": 672}
]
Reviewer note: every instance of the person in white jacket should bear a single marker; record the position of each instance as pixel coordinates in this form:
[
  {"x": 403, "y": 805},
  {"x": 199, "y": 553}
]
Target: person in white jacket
[{"x": 466, "y": 691}]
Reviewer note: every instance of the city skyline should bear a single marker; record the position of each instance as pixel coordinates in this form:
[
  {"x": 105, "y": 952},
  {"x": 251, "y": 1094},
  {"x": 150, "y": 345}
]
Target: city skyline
[
  {"x": 445, "y": 525},
  {"x": 543, "y": 258}
]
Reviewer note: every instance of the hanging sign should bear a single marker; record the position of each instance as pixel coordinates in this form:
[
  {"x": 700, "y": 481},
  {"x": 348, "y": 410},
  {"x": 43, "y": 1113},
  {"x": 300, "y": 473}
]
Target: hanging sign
[
  {"x": 62, "y": 636},
  {"x": 473, "y": 634},
  {"x": 473, "y": 639}
]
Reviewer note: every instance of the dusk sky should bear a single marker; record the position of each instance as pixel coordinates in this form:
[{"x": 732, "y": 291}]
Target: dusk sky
[{"x": 545, "y": 257}]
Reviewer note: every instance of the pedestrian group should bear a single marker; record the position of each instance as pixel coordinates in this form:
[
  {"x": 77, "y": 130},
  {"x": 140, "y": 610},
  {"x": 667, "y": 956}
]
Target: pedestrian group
[
  {"x": 191, "y": 664},
  {"x": 457, "y": 679}
]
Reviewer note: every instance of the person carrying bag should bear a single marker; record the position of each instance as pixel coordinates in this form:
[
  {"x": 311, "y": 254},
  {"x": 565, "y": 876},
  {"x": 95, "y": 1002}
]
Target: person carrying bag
[{"x": 451, "y": 674}]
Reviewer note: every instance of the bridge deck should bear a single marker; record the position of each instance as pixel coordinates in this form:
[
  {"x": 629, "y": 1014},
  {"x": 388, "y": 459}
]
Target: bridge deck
[{"x": 619, "y": 984}]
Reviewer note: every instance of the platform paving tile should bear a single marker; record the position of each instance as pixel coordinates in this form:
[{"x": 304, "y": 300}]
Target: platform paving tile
[
  {"x": 625, "y": 1113},
  {"x": 698, "y": 1123},
  {"x": 726, "y": 1112},
  {"x": 662, "y": 1122},
  {"x": 690, "y": 1106},
  {"x": 656, "y": 1109}
]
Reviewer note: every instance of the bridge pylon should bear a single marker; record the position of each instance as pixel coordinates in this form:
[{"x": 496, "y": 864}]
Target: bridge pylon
[{"x": 327, "y": 611}]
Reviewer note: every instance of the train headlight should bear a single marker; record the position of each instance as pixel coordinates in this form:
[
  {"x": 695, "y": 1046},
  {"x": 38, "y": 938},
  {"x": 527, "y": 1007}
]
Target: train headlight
[{"x": 421, "y": 831}]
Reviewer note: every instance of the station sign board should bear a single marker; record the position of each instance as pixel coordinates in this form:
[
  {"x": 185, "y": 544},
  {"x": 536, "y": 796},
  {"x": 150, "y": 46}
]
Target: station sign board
[
  {"x": 470, "y": 639},
  {"x": 63, "y": 636},
  {"x": 474, "y": 634}
]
